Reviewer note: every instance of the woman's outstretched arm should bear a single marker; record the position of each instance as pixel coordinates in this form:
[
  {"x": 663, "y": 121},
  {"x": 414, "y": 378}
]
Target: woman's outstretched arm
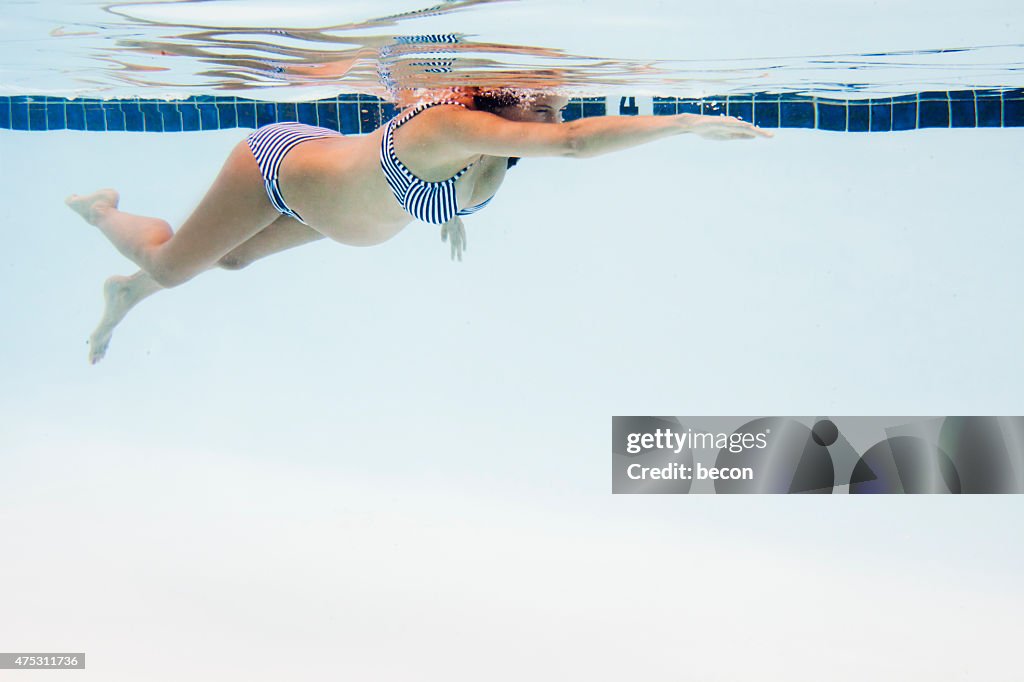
[{"x": 477, "y": 132}]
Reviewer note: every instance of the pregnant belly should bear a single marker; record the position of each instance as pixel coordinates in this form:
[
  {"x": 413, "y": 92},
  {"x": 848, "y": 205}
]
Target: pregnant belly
[
  {"x": 359, "y": 235},
  {"x": 355, "y": 215}
]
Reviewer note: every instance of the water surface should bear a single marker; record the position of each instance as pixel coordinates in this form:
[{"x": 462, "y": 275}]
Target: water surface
[{"x": 309, "y": 49}]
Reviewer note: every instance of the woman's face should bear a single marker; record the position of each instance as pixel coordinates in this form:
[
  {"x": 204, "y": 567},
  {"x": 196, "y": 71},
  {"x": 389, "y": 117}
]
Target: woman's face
[{"x": 539, "y": 109}]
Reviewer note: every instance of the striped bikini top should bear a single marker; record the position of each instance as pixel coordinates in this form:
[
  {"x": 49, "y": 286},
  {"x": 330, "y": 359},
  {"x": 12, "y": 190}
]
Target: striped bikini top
[{"x": 431, "y": 202}]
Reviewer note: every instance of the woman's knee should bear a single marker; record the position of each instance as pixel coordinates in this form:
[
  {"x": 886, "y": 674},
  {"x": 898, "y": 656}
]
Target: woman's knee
[{"x": 170, "y": 275}]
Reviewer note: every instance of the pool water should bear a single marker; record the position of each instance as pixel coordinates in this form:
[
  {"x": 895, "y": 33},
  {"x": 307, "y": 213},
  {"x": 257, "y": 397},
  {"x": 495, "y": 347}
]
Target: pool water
[{"x": 378, "y": 464}]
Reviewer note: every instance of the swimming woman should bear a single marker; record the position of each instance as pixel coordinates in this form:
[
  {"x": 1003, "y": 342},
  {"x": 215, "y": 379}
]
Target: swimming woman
[{"x": 289, "y": 184}]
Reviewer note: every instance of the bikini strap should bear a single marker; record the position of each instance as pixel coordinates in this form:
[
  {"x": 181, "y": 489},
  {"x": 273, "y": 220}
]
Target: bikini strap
[{"x": 395, "y": 122}]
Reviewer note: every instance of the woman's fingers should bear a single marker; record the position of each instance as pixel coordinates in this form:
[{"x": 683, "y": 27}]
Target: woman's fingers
[
  {"x": 731, "y": 128},
  {"x": 759, "y": 132},
  {"x": 455, "y": 229},
  {"x": 747, "y": 129}
]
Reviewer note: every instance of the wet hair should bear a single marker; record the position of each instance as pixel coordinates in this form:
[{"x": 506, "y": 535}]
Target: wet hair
[{"x": 492, "y": 100}]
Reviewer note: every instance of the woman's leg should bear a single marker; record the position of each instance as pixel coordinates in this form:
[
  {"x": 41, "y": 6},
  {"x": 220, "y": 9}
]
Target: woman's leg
[
  {"x": 121, "y": 294},
  {"x": 235, "y": 208},
  {"x": 284, "y": 233}
]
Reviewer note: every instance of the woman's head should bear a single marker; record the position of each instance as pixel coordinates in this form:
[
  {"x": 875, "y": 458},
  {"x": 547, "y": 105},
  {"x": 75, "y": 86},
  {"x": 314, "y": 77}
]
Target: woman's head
[{"x": 521, "y": 105}]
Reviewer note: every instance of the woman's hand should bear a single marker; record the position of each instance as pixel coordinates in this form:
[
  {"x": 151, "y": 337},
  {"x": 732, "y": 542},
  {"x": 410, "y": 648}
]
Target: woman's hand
[
  {"x": 721, "y": 127},
  {"x": 454, "y": 232}
]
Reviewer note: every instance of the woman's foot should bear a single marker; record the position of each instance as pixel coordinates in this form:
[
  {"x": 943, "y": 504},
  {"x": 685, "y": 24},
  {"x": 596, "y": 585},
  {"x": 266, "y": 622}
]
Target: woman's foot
[
  {"x": 120, "y": 294},
  {"x": 88, "y": 205}
]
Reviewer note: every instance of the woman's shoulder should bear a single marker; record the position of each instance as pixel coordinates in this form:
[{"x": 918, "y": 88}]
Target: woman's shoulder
[{"x": 434, "y": 121}]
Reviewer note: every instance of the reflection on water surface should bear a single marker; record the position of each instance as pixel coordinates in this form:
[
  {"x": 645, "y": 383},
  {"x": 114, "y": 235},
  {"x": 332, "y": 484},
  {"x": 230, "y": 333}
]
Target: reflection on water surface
[{"x": 307, "y": 50}]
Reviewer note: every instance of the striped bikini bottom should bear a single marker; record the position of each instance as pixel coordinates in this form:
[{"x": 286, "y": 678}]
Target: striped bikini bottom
[{"x": 270, "y": 144}]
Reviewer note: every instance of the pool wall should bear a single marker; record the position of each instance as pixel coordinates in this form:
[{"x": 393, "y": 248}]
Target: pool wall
[{"x": 355, "y": 114}]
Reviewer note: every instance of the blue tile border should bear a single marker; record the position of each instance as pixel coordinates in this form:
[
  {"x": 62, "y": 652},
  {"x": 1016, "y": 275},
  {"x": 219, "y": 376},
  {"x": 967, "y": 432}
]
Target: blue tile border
[
  {"x": 266, "y": 113},
  {"x": 572, "y": 111},
  {"x": 75, "y": 113},
  {"x": 327, "y": 115},
  {"x": 227, "y": 114},
  {"x": 741, "y": 107},
  {"x": 152, "y": 120},
  {"x": 37, "y": 116},
  {"x": 933, "y": 110},
  {"x": 989, "y": 109},
  {"x": 95, "y": 116},
  {"x": 171, "y": 118},
  {"x": 246, "y": 112},
  {"x": 662, "y": 106},
  {"x": 209, "y": 116},
  {"x": 369, "y": 114},
  {"x": 133, "y": 119},
  {"x": 858, "y": 118},
  {"x": 766, "y": 110},
  {"x": 904, "y": 115},
  {"x": 880, "y": 115},
  {"x": 19, "y": 113},
  {"x": 349, "y": 116},
  {"x": 189, "y": 116},
  {"x": 797, "y": 114},
  {"x": 594, "y": 106},
  {"x": 963, "y": 112},
  {"x": 307, "y": 113},
  {"x": 115, "y": 118},
  {"x": 1013, "y": 113},
  {"x": 55, "y": 116},
  {"x": 831, "y": 116},
  {"x": 355, "y": 114},
  {"x": 688, "y": 106}
]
